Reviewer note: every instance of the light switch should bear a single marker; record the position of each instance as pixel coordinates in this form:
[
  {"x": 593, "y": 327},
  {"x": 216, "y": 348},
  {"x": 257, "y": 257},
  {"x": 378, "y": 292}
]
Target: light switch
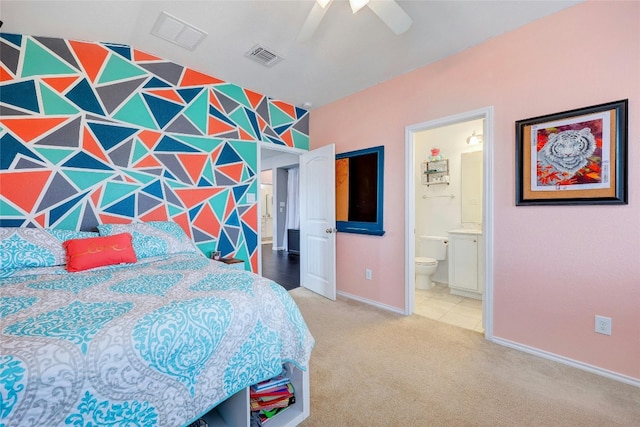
[{"x": 251, "y": 197}]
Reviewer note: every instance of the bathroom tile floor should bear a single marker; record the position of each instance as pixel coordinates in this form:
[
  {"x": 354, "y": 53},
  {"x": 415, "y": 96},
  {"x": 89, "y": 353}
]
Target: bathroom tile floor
[{"x": 438, "y": 304}]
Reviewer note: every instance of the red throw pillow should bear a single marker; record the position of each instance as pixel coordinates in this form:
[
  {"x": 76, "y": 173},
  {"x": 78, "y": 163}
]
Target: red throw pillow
[{"x": 83, "y": 254}]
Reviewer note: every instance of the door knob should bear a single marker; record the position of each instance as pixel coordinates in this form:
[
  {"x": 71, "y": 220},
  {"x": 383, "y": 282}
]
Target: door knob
[{"x": 328, "y": 230}]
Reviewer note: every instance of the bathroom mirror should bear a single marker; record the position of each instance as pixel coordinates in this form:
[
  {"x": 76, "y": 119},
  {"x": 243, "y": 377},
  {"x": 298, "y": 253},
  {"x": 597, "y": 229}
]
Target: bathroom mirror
[
  {"x": 359, "y": 191},
  {"x": 471, "y": 187}
]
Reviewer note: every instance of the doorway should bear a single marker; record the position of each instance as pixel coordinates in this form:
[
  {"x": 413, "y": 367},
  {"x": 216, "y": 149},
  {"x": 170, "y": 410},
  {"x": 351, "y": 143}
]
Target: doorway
[
  {"x": 277, "y": 261},
  {"x": 436, "y": 207}
]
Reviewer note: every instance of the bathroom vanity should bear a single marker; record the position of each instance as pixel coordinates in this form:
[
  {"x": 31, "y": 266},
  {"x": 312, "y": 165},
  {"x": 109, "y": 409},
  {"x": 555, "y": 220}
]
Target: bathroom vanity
[{"x": 466, "y": 261}]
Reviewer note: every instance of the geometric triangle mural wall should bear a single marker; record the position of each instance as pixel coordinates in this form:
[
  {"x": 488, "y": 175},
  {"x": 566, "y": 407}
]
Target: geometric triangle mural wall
[{"x": 97, "y": 133}]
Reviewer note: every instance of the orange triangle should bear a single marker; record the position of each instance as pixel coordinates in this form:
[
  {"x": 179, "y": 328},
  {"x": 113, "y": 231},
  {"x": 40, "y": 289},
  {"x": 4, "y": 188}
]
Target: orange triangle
[
  {"x": 149, "y": 138},
  {"x": 91, "y": 56},
  {"x": 287, "y": 108},
  {"x": 183, "y": 221},
  {"x": 169, "y": 94},
  {"x": 287, "y": 138},
  {"x": 250, "y": 216},
  {"x": 29, "y": 128},
  {"x": 147, "y": 162},
  {"x": 196, "y": 78},
  {"x": 5, "y": 75},
  {"x": 23, "y": 188},
  {"x": 194, "y": 196},
  {"x": 40, "y": 219},
  {"x": 254, "y": 97},
  {"x": 91, "y": 145},
  {"x": 110, "y": 219},
  {"x": 213, "y": 100},
  {"x": 262, "y": 123},
  {"x": 139, "y": 55},
  {"x": 244, "y": 136},
  {"x": 95, "y": 197},
  {"x": 254, "y": 262},
  {"x": 218, "y": 126},
  {"x": 231, "y": 205},
  {"x": 207, "y": 220},
  {"x": 233, "y": 171},
  {"x": 60, "y": 83},
  {"x": 193, "y": 163},
  {"x": 158, "y": 214}
]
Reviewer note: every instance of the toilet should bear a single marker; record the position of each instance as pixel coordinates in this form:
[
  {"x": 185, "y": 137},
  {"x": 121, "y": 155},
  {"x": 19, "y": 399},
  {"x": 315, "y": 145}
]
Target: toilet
[{"x": 430, "y": 250}]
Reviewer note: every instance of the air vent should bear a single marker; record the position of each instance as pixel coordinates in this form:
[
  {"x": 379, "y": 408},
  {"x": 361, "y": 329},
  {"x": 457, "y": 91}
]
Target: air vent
[
  {"x": 264, "y": 56},
  {"x": 177, "y": 31}
]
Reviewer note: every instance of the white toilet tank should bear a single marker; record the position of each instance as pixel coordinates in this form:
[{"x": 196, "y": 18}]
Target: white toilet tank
[{"x": 432, "y": 247}]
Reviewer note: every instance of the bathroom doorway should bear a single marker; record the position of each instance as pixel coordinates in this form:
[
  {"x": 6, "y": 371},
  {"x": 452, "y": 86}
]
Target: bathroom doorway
[{"x": 448, "y": 164}]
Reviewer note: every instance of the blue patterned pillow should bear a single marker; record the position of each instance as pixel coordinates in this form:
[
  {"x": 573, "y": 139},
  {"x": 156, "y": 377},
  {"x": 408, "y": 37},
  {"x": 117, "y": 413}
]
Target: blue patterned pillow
[
  {"x": 153, "y": 238},
  {"x": 34, "y": 247}
]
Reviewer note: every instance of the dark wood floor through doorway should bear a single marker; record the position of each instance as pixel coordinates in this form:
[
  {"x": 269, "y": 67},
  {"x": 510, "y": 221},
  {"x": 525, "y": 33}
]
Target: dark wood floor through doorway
[{"x": 281, "y": 267}]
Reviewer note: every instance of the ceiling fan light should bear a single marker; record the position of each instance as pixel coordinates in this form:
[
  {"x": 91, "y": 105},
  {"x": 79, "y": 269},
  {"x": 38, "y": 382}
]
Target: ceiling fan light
[
  {"x": 323, "y": 3},
  {"x": 356, "y": 5}
]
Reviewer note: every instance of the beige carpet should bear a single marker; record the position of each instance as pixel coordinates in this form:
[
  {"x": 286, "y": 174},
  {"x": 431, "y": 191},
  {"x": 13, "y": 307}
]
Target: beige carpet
[{"x": 371, "y": 367}]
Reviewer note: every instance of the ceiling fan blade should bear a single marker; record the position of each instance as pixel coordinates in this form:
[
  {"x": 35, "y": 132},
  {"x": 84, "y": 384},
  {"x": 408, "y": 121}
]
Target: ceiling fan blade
[
  {"x": 312, "y": 22},
  {"x": 392, "y": 15}
]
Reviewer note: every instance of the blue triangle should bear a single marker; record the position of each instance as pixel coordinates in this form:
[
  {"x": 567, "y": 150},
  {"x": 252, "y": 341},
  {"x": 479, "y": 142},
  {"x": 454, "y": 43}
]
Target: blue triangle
[
  {"x": 224, "y": 244},
  {"x": 163, "y": 111},
  {"x": 58, "y": 212},
  {"x": 300, "y": 112},
  {"x": 16, "y": 39},
  {"x": 111, "y": 135},
  {"x": 281, "y": 129},
  {"x": 189, "y": 94},
  {"x": 167, "y": 174},
  {"x": 168, "y": 144},
  {"x": 250, "y": 236},
  {"x": 275, "y": 141},
  {"x": 193, "y": 212},
  {"x": 228, "y": 155},
  {"x": 21, "y": 95},
  {"x": 216, "y": 113},
  {"x": 82, "y": 95},
  {"x": 239, "y": 191},
  {"x": 6, "y": 222},
  {"x": 84, "y": 161},
  {"x": 120, "y": 49},
  {"x": 233, "y": 219},
  {"x": 155, "y": 189},
  {"x": 125, "y": 207},
  {"x": 254, "y": 121},
  {"x": 155, "y": 83},
  {"x": 11, "y": 147},
  {"x": 204, "y": 183}
]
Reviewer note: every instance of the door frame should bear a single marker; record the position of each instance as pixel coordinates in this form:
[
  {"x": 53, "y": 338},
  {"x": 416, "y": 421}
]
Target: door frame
[
  {"x": 269, "y": 147},
  {"x": 486, "y": 114}
]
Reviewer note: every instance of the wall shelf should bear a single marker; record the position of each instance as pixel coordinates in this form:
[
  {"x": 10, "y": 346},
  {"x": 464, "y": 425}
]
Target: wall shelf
[{"x": 435, "y": 172}]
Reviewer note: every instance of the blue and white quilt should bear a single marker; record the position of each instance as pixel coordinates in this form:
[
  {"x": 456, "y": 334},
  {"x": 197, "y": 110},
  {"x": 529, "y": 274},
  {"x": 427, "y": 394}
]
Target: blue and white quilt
[{"x": 159, "y": 342}]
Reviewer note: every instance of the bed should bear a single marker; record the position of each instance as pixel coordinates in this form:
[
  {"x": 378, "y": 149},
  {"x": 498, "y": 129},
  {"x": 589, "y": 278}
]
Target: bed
[{"x": 159, "y": 341}]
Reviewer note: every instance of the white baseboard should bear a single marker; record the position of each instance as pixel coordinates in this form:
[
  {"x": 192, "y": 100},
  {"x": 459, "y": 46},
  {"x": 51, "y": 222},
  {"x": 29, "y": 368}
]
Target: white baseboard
[
  {"x": 570, "y": 362},
  {"x": 371, "y": 302},
  {"x": 521, "y": 347}
]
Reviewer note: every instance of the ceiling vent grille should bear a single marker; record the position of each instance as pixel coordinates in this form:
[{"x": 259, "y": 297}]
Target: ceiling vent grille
[{"x": 264, "y": 56}]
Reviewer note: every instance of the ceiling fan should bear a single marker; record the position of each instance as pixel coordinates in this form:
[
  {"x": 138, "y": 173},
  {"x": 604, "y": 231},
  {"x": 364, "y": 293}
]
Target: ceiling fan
[{"x": 387, "y": 10}]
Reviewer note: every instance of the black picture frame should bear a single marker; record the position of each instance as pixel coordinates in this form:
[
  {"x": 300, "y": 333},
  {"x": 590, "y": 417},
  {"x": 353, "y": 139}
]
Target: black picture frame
[{"x": 576, "y": 157}]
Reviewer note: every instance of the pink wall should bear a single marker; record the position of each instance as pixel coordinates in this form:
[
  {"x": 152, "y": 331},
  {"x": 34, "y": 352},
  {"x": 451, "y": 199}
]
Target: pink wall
[{"x": 554, "y": 267}]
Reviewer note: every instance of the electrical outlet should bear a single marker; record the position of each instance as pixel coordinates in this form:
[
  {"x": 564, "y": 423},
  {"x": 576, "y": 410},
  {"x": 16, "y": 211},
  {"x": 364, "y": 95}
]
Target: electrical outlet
[
  {"x": 367, "y": 273},
  {"x": 603, "y": 325}
]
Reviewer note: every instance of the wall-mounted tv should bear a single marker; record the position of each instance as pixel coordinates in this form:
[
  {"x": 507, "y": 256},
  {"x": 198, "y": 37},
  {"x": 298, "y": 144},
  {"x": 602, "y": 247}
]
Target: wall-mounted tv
[{"x": 359, "y": 191}]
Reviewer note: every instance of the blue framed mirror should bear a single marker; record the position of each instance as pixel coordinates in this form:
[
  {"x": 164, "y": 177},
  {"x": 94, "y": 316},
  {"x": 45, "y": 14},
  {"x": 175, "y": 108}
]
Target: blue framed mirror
[{"x": 359, "y": 191}]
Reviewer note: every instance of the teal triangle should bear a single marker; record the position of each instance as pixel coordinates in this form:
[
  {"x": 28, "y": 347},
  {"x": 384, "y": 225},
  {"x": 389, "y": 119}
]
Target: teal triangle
[
  {"x": 142, "y": 177},
  {"x": 197, "y": 111},
  {"x": 248, "y": 151},
  {"x": 242, "y": 253},
  {"x": 54, "y": 155},
  {"x": 53, "y": 104},
  {"x": 236, "y": 93},
  {"x": 176, "y": 184},
  {"x": 278, "y": 117},
  {"x": 173, "y": 210},
  {"x": 86, "y": 179},
  {"x": 218, "y": 204},
  {"x": 39, "y": 61},
  {"x": 115, "y": 190},
  {"x": 71, "y": 221},
  {"x": 135, "y": 112},
  {"x": 207, "y": 172},
  {"x": 139, "y": 151},
  {"x": 240, "y": 118},
  {"x": 245, "y": 174},
  {"x": 300, "y": 140},
  {"x": 118, "y": 68},
  {"x": 8, "y": 210},
  {"x": 206, "y": 145}
]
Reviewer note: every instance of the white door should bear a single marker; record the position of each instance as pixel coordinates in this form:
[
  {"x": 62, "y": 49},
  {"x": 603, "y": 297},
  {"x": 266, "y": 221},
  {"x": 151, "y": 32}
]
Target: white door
[{"x": 318, "y": 221}]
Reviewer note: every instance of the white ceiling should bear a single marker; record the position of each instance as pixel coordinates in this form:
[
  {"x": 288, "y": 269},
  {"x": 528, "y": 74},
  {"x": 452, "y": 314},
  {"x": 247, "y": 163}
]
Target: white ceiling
[{"x": 348, "y": 53}]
